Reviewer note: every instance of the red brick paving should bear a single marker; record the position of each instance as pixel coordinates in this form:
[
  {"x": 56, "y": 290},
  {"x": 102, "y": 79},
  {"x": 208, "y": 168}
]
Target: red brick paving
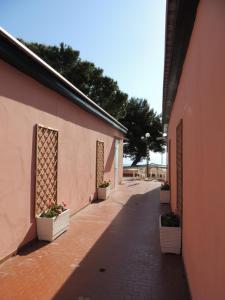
[{"x": 111, "y": 251}]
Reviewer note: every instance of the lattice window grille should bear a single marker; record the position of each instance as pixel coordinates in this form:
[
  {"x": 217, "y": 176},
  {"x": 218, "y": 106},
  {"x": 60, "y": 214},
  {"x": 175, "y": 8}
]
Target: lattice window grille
[
  {"x": 99, "y": 163},
  {"x": 179, "y": 160},
  {"x": 46, "y": 167}
]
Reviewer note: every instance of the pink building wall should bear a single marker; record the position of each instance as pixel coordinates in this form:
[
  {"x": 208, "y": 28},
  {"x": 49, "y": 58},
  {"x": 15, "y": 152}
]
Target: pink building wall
[
  {"x": 200, "y": 102},
  {"x": 24, "y": 103}
]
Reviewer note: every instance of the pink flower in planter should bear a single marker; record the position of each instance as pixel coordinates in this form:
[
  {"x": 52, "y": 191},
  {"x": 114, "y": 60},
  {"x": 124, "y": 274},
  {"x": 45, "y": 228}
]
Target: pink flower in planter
[{"x": 50, "y": 203}]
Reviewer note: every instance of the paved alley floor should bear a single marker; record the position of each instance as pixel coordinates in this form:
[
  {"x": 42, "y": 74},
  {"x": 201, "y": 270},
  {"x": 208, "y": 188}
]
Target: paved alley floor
[{"x": 111, "y": 251}]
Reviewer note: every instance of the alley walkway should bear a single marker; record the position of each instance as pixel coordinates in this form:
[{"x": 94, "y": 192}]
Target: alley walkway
[{"x": 111, "y": 251}]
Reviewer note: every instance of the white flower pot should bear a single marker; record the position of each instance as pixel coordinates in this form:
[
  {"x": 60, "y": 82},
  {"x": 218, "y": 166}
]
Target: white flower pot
[
  {"x": 103, "y": 193},
  {"x": 170, "y": 238},
  {"x": 49, "y": 229},
  {"x": 164, "y": 196}
]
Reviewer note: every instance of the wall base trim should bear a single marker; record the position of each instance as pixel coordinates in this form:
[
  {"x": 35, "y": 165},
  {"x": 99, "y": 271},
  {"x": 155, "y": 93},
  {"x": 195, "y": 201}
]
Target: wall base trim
[{"x": 2, "y": 260}]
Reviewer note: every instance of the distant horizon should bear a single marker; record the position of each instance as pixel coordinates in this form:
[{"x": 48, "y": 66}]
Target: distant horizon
[
  {"x": 155, "y": 157},
  {"x": 144, "y": 165}
]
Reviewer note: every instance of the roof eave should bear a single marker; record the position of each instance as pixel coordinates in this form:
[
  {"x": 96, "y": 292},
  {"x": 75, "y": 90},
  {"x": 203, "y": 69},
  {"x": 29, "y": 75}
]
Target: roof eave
[
  {"x": 180, "y": 18},
  {"x": 18, "y": 55}
]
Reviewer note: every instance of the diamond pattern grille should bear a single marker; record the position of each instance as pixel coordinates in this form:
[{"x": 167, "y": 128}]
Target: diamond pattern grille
[
  {"x": 179, "y": 157},
  {"x": 46, "y": 168},
  {"x": 120, "y": 158},
  {"x": 99, "y": 163}
]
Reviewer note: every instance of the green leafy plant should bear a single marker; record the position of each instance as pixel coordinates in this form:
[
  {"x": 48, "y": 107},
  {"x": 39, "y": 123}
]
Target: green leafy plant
[
  {"x": 170, "y": 220},
  {"x": 105, "y": 184},
  {"x": 165, "y": 186},
  {"x": 85, "y": 75},
  {"x": 54, "y": 209},
  {"x": 140, "y": 118}
]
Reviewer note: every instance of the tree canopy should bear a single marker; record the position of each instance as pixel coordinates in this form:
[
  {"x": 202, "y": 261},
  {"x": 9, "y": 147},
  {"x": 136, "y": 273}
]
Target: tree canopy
[
  {"x": 134, "y": 113},
  {"x": 88, "y": 78},
  {"x": 139, "y": 120}
]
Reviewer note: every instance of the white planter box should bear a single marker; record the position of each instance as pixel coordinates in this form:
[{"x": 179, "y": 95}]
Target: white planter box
[
  {"x": 103, "y": 193},
  {"x": 170, "y": 239},
  {"x": 164, "y": 196},
  {"x": 49, "y": 229}
]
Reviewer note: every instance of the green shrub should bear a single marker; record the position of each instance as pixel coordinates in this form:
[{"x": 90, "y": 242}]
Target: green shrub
[
  {"x": 53, "y": 210},
  {"x": 165, "y": 186},
  {"x": 105, "y": 184},
  {"x": 170, "y": 220}
]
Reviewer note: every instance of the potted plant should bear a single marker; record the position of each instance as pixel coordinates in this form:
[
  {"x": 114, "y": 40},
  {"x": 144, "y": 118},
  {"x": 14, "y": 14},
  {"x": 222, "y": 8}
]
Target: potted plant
[
  {"x": 104, "y": 190},
  {"x": 170, "y": 233},
  {"x": 53, "y": 222},
  {"x": 165, "y": 193}
]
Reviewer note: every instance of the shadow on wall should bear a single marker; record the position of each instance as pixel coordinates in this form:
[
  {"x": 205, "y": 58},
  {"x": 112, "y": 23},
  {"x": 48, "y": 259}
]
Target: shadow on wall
[
  {"x": 31, "y": 233},
  {"x": 126, "y": 262}
]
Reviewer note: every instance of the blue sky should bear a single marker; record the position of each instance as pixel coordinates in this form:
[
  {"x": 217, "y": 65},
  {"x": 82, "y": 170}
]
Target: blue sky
[{"x": 124, "y": 37}]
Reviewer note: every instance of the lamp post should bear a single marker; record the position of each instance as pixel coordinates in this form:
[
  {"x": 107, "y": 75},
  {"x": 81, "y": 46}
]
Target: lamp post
[
  {"x": 164, "y": 138},
  {"x": 145, "y": 138}
]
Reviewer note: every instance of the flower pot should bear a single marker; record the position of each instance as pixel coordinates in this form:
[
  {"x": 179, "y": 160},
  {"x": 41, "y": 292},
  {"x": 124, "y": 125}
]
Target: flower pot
[
  {"x": 103, "y": 193},
  {"x": 164, "y": 196},
  {"x": 170, "y": 238},
  {"x": 49, "y": 229}
]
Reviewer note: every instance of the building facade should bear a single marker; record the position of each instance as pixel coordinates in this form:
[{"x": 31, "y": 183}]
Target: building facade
[
  {"x": 193, "y": 110},
  {"x": 54, "y": 140}
]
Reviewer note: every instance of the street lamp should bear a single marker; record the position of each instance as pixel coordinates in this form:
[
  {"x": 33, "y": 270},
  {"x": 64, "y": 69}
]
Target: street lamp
[
  {"x": 163, "y": 138},
  {"x": 145, "y": 138}
]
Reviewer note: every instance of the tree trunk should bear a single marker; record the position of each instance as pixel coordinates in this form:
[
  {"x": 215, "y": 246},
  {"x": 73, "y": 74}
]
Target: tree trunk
[{"x": 134, "y": 163}]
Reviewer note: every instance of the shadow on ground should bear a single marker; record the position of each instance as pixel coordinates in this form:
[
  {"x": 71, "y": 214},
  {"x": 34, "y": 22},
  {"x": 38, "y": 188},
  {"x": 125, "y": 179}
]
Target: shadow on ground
[{"x": 126, "y": 262}]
